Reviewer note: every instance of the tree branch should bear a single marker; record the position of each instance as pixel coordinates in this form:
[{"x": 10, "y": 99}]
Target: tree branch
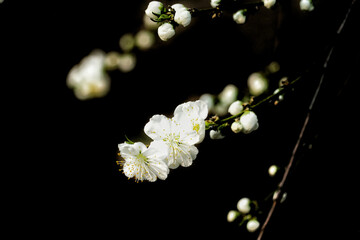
[{"x": 306, "y": 121}]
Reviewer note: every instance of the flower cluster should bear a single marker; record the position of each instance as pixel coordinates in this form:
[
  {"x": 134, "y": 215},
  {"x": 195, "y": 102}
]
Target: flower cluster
[
  {"x": 168, "y": 18},
  {"x": 245, "y": 212},
  {"x": 173, "y": 144}
]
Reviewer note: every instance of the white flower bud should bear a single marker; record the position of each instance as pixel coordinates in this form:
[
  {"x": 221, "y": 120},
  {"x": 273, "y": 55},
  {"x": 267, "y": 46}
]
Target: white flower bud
[
  {"x": 276, "y": 196},
  {"x": 269, "y": 3},
  {"x": 236, "y": 127},
  {"x": 306, "y": 5},
  {"x": 216, "y": 135},
  {"x": 252, "y": 225},
  {"x": 182, "y": 17},
  {"x": 239, "y": 17},
  {"x": 177, "y": 6},
  {"x": 215, "y": 3},
  {"x": 272, "y": 170},
  {"x": 232, "y": 215},
  {"x": 154, "y": 7},
  {"x": 257, "y": 84},
  {"x": 166, "y": 31},
  {"x": 249, "y": 122},
  {"x": 243, "y": 205},
  {"x": 236, "y": 108}
]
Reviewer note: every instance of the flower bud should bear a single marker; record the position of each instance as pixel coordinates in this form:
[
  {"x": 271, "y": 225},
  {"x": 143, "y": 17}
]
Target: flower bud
[
  {"x": 243, "y": 205},
  {"x": 236, "y": 127},
  {"x": 215, "y": 3},
  {"x": 239, "y": 17},
  {"x": 232, "y": 215},
  {"x": 154, "y": 7},
  {"x": 249, "y": 122},
  {"x": 272, "y": 170},
  {"x": 182, "y": 17},
  {"x": 236, "y": 108},
  {"x": 306, "y": 5},
  {"x": 166, "y": 31},
  {"x": 252, "y": 225},
  {"x": 269, "y": 3},
  {"x": 216, "y": 135}
]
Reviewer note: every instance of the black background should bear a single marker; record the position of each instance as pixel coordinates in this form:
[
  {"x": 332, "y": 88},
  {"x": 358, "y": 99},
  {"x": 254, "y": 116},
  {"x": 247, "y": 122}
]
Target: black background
[{"x": 66, "y": 179}]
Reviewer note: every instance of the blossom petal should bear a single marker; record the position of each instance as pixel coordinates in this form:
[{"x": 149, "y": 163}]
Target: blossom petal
[
  {"x": 158, "y": 127},
  {"x": 187, "y": 154},
  {"x": 128, "y": 150},
  {"x": 198, "y": 109}
]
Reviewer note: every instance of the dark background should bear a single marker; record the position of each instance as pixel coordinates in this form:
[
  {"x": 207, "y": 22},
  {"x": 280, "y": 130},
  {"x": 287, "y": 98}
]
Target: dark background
[{"x": 66, "y": 179}]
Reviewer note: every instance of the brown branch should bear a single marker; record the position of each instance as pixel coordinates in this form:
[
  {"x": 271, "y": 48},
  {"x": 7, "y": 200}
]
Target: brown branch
[{"x": 278, "y": 195}]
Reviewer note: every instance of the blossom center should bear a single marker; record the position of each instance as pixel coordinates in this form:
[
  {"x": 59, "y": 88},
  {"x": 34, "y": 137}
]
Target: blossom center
[
  {"x": 172, "y": 139},
  {"x": 196, "y": 128},
  {"x": 142, "y": 159}
]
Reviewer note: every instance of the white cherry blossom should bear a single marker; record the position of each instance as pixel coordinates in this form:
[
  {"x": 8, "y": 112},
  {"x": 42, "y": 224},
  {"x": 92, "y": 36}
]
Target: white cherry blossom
[
  {"x": 180, "y": 133},
  {"x": 192, "y": 115},
  {"x": 144, "y": 163}
]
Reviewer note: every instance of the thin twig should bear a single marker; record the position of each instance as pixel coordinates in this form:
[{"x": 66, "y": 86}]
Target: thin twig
[{"x": 306, "y": 121}]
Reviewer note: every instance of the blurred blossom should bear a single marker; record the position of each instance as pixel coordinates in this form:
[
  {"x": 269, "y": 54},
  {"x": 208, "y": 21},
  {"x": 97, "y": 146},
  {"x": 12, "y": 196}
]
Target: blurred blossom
[
  {"x": 209, "y": 99},
  {"x": 257, "y": 84},
  {"x": 273, "y": 67},
  {"x": 112, "y": 60},
  {"x": 127, "y": 42},
  {"x": 306, "y": 5},
  {"x": 229, "y": 94},
  {"x": 88, "y": 79},
  {"x": 126, "y": 62},
  {"x": 144, "y": 39}
]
